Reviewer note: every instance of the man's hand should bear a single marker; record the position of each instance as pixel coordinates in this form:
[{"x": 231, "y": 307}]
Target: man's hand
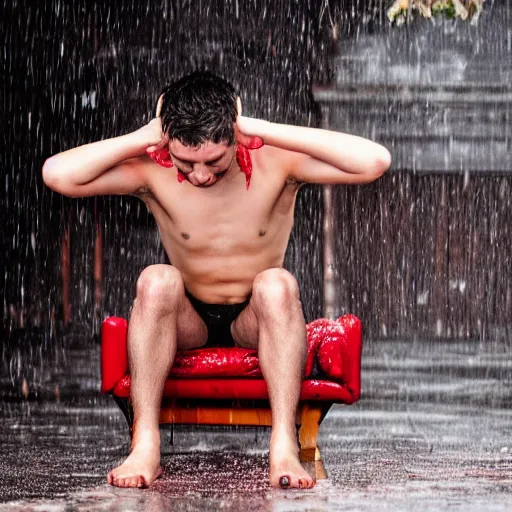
[
  {"x": 243, "y": 129},
  {"x": 152, "y": 132},
  {"x": 153, "y": 136}
]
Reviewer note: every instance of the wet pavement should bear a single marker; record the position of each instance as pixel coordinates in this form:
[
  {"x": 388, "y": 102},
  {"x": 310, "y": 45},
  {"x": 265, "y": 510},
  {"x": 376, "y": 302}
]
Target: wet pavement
[{"x": 432, "y": 432}]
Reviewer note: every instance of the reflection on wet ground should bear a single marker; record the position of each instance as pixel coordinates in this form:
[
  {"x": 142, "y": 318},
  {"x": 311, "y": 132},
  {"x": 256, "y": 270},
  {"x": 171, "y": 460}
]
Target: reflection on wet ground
[{"x": 432, "y": 432}]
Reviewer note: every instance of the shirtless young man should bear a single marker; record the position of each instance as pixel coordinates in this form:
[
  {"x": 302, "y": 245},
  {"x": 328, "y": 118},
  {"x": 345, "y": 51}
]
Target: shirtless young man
[{"x": 226, "y": 242}]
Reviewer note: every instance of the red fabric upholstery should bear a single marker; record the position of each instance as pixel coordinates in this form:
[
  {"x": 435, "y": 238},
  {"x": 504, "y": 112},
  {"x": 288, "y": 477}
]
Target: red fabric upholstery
[
  {"x": 216, "y": 362},
  {"x": 230, "y": 372},
  {"x": 336, "y": 350},
  {"x": 243, "y": 389},
  {"x": 114, "y": 355}
]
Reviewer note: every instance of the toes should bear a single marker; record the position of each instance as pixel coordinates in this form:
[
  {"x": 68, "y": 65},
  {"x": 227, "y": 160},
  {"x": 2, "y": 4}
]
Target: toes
[
  {"x": 125, "y": 482},
  {"x": 284, "y": 482},
  {"x": 290, "y": 481},
  {"x": 305, "y": 483},
  {"x": 133, "y": 481}
]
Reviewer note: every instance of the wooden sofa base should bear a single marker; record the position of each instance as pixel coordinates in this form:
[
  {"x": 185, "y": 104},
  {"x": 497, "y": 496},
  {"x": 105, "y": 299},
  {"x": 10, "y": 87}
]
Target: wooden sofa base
[{"x": 309, "y": 417}]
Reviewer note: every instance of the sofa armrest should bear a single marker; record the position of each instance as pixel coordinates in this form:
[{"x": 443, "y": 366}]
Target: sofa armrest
[
  {"x": 339, "y": 352},
  {"x": 114, "y": 352}
]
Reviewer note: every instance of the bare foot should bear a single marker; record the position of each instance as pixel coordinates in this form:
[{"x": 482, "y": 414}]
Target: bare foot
[
  {"x": 285, "y": 468},
  {"x": 142, "y": 466}
]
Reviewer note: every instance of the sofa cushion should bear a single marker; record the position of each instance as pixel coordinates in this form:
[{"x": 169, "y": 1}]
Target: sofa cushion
[
  {"x": 231, "y": 362},
  {"x": 216, "y": 362}
]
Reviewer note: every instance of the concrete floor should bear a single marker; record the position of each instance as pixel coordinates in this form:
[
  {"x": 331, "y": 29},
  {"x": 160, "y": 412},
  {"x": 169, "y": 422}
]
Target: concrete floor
[{"x": 432, "y": 432}]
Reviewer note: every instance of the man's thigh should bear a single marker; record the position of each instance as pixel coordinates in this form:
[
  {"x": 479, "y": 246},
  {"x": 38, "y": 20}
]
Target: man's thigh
[
  {"x": 244, "y": 328},
  {"x": 191, "y": 331}
]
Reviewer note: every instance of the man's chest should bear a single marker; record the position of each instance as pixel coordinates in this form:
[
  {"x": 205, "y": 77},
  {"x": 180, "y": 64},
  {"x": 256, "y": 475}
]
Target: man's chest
[{"x": 237, "y": 220}]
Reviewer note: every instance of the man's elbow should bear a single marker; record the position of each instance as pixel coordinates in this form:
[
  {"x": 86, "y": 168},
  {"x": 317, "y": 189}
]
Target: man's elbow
[
  {"x": 49, "y": 172},
  {"x": 380, "y": 164},
  {"x": 53, "y": 178}
]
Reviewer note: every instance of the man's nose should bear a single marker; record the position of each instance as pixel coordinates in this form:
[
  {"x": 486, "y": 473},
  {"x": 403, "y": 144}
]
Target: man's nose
[{"x": 202, "y": 173}]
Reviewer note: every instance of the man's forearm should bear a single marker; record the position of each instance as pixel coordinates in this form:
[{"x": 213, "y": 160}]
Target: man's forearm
[
  {"x": 83, "y": 164},
  {"x": 351, "y": 153}
]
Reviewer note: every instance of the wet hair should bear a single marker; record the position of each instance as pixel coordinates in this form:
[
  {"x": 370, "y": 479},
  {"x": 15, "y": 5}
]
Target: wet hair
[{"x": 199, "y": 108}]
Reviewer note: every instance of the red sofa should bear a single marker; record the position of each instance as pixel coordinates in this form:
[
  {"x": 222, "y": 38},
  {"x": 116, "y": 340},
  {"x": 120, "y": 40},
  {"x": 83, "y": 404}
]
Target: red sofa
[{"x": 224, "y": 386}]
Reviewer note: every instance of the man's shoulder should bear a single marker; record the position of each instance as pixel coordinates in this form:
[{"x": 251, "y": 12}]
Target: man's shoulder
[
  {"x": 271, "y": 157},
  {"x": 277, "y": 160}
]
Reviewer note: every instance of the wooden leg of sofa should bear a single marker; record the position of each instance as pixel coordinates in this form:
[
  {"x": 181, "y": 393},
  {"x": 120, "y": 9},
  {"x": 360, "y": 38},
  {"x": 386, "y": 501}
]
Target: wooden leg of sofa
[
  {"x": 127, "y": 410},
  {"x": 310, "y": 416}
]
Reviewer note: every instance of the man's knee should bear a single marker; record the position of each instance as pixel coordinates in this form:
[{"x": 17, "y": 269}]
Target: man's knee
[
  {"x": 160, "y": 285},
  {"x": 276, "y": 289}
]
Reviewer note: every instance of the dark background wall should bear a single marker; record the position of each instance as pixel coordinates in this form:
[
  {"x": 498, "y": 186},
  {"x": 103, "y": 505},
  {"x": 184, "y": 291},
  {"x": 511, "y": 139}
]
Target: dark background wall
[
  {"x": 419, "y": 255},
  {"x": 76, "y": 72},
  {"x": 426, "y": 251}
]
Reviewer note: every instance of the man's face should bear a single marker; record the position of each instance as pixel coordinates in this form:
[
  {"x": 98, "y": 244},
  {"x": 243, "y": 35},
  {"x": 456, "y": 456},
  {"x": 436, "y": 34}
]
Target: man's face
[{"x": 202, "y": 166}]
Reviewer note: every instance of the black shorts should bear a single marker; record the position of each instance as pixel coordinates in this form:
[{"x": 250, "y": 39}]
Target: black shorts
[{"x": 218, "y": 319}]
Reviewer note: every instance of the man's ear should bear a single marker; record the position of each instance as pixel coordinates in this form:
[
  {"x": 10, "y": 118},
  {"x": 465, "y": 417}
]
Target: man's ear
[{"x": 159, "y": 105}]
